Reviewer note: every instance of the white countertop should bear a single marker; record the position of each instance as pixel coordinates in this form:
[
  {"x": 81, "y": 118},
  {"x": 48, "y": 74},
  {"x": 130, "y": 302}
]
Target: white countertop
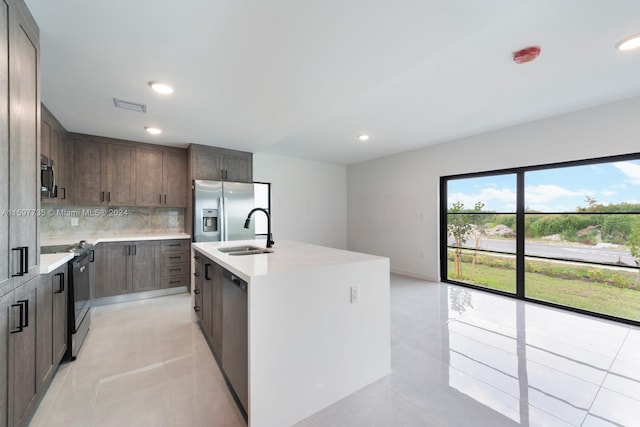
[
  {"x": 112, "y": 238},
  {"x": 49, "y": 262},
  {"x": 287, "y": 256}
]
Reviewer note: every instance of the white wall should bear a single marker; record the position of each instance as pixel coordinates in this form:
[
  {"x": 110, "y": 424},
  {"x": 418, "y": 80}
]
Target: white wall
[
  {"x": 308, "y": 199},
  {"x": 393, "y": 203}
]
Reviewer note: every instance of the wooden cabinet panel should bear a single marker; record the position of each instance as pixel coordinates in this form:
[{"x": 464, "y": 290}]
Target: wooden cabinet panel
[
  {"x": 142, "y": 263},
  {"x": 197, "y": 288},
  {"x": 174, "y": 179},
  {"x": 103, "y": 174},
  {"x": 51, "y": 329},
  {"x": 175, "y": 247},
  {"x": 44, "y": 331},
  {"x": 149, "y": 177},
  {"x": 238, "y": 167},
  {"x": 24, "y": 344},
  {"x": 54, "y": 144},
  {"x": 87, "y": 172},
  {"x": 6, "y": 283},
  {"x": 111, "y": 273},
  {"x": 217, "y": 164},
  {"x": 216, "y": 307},
  {"x": 161, "y": 178},
  {"x": 120, "y": 168},
  {"x": 60, "y": 289},
  {"x": 206, "y": 164},
  {"x": 207, "y": 296},
  {"x": 174, "y": 264},
  {"x": 65, "y": 176},
  {"x": 24, "y": 159},
  {"x": 7, "y": 313},
  {"x": 174, "y": 282},
  {"x": 209, "y": 300}
]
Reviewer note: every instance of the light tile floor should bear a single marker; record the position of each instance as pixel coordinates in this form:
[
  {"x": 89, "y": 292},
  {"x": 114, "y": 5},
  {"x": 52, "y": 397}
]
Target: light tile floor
[{"x": 460, "y": 357}]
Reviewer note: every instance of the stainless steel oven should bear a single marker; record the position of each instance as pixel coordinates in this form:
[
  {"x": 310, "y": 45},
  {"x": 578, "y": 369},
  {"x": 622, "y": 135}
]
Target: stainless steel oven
[
  {"x": 81, "y": 278},
  {"x": 80, "y": 272}
]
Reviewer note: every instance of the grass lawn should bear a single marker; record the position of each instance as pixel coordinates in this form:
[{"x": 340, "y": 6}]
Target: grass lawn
[{"x": 587, "y": 295}]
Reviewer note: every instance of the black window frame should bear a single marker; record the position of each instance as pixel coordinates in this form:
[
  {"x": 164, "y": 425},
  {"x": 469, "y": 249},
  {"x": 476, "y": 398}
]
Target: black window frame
[{"x": 520, "y": 229}]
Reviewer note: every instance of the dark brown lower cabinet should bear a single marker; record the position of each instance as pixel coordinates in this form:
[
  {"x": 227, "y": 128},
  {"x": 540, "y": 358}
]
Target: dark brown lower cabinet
[
  {"x": 23, "y": 381},
  {"x": 209, "y": 300},
  {"x": 6, "y": 326},
  {"x": 137, "y": 266},
  {"x": 51, "y": 324},
  {"x": 125, "y": 267},
  {"x": 59, "y": 284},
  {"x": 142, "y": 264}
]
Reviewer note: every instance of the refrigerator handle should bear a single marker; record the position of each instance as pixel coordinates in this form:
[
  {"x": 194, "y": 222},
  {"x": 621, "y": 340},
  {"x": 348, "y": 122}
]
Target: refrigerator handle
[{"x": 222, "y": 218}]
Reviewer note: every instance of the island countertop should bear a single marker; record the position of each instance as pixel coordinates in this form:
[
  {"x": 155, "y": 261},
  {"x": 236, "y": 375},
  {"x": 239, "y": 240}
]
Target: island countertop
[
  {"x": 287, "y": 257},
  {"x": 318, "y": 324}
]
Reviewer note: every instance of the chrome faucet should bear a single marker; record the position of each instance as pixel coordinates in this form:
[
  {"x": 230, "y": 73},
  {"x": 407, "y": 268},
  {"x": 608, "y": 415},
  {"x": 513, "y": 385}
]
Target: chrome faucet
[{"x": 270, "y": 242}]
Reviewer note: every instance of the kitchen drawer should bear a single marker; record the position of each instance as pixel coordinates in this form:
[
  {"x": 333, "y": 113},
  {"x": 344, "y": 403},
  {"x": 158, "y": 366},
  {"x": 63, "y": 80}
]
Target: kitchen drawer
[
  {"x": 178, "y": 245},
  {"x": 175, "y": 270},
  {"x": 176, "y": 258},
  {"x": 174, "y": 282}
]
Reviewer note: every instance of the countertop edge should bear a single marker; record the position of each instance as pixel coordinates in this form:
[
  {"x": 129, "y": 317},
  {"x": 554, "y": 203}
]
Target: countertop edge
[{"x": 50, "y": 262}]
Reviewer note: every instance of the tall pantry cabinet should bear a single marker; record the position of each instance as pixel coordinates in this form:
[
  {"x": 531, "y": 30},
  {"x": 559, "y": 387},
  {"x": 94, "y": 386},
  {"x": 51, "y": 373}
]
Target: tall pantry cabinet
[{"x": 19, "y": 204}]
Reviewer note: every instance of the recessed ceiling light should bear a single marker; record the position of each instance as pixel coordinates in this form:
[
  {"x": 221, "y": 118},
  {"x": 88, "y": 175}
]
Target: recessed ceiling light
[
  {"x": 632, "y": 42},
  {"x": 153, "y": 131},
  {"x": 363, "y": 137},
  {"x": 162, "y": 88}
]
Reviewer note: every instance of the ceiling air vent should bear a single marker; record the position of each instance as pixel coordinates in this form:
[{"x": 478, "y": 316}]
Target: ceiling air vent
[{"x": 127, "y": 105}]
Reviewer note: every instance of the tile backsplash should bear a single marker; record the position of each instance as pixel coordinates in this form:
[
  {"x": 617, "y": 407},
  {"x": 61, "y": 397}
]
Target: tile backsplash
[{"x": 58, "y": 221}]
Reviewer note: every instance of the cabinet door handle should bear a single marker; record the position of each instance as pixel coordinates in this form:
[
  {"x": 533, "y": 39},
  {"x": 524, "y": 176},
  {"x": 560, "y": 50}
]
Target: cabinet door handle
[
  {"x": 128, "y": 250},
  {"x": 135, "y": 249},
  {"x": 109, "y": 196},
  {"x": 24, "y": 323},
  {"x": 25, "y": 266},
  {"x": 165, "y": 199},
  {"x": 160, "y": 198},
  {"x": 20, "y": 272},
  {"x": 196, "y": 308},
  {"x": 61, "y": 283},
  {"x": 20, "y": 327},
  {"x": 102, "y": 196},
  {"x": 64, "y": 193},
  {"x": 196, "y": 274},
  {"x": 175, "y": 257},
  {"x": 206, "y": 271},
  {"x": 24, "y": 261},
  {"x": 175, "y": 281},
  {"x": 93, "y": 255}
]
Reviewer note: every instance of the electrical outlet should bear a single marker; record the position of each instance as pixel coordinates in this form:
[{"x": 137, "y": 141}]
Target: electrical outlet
[
  {"x": 355, "y": 294},
  {"x": 173, "y": 219},
  {"x": 74, "y": 222}
]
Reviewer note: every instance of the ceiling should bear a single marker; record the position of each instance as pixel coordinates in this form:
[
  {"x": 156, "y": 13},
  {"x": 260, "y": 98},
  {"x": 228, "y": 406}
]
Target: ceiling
[{"x": 304, "y": 78}]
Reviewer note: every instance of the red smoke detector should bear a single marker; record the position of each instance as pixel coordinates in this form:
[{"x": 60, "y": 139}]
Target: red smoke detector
[{"x": 526, "y": 55}]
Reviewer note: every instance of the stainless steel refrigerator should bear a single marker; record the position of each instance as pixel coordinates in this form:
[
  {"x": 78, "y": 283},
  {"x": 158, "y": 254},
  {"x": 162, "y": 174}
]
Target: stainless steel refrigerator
[{"x": 220, "y": 209}]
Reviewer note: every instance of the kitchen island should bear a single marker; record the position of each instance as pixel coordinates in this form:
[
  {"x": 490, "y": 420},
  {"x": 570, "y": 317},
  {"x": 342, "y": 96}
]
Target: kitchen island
[{"x": 318, "y": 325}]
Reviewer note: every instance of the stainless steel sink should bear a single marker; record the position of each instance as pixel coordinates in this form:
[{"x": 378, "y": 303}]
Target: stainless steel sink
[
  {"x": 251, "y": 252},
  {"x": 244, "y": 250}
]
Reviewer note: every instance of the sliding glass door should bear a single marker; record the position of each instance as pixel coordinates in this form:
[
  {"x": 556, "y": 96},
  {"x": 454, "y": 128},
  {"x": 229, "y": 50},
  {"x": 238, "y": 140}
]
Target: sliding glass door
[{"x": 566, "y": 234}]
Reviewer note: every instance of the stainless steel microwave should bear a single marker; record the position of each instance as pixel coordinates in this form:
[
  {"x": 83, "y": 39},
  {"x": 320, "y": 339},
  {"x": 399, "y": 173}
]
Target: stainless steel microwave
[{"x": 48, "y": 188}]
